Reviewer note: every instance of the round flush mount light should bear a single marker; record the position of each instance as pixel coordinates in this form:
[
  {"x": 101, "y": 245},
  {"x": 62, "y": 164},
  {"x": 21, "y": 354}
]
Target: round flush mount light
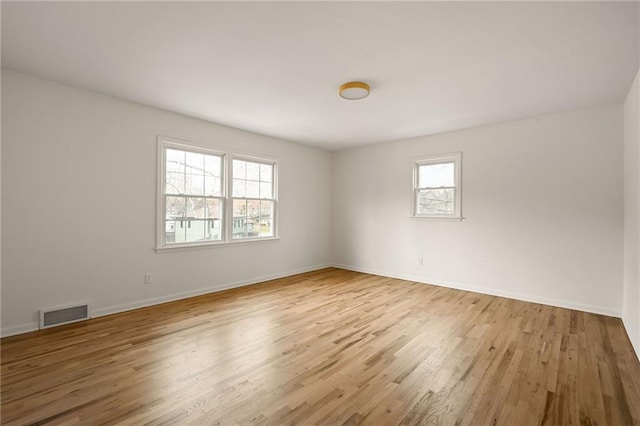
[{"x": 354, "y": 90}]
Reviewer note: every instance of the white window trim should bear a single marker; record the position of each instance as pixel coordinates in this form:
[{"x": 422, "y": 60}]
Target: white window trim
[
  {"x": 455, "y": 158},
  {"x": 227, "y": 199}
]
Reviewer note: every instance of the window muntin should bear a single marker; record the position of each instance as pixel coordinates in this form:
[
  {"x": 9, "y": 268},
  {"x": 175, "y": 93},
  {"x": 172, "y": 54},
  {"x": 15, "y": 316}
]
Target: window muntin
[
  {"x": 200, "y": 188},
  {"x": 436, "y": 187},
  {"x": 192, "y": 196},
  {"x": 253, "y": 198}
]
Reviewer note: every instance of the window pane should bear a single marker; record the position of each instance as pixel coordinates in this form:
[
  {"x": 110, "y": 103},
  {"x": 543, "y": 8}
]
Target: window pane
[
  {"x": 247, "y": 219},
  {"x": 253, "y": 218},
  {"x": 212, "y": 186},
  {"x": 194, "y": 184},
  {"x": 175, "y": 183},
  {"x": 266, "y": 218},
  {"x": 266, "y": 172},
  {"x": 175, "y": 210},
  {"x": 436, "y": 201},
  {"x": 195, "y": 163},
  {"x": 253, "y": 171},
  {"x": 239, "y": 169},
  {"x": 212, "y": 165},
  {"x": 213, "y": 213},
  {"x": 186, "y": 172},
  {"x": 253, "y": 189},
  {"x": 213, "y": 209},
  {"x": 190, "y": 230},
  {"x": 265, "y": 190},
  {"x": 192, "y": 219},
  {"x": 213, "y": 230},
  {"x": 176, "y": 207},
  {"x": 239, "y": 219},
  {"x": 239, "y": 208},
  {"x": 436, "y": 175},
  {"x": 170, "y": 231},
  {"x": 239, "y": 188},
  {"x": 195, "y": 207},
  {"x": 174, "y": 160},
  {"x": 183, "y": 231}
]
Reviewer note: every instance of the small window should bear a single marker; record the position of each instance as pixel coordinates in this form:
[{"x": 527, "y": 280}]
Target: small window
[
  {"x": 436, "y": 187},
  {"x": 254, "y": 200}
]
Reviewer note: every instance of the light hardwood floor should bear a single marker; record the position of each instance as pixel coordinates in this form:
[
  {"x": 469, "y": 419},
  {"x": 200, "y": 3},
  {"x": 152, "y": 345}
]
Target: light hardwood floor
[{"x": 330, "y": 347}]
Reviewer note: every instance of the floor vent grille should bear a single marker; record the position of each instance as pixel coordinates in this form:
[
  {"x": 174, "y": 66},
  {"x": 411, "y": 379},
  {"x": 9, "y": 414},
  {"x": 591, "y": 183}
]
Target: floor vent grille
[{"x": 66, "y": 315}]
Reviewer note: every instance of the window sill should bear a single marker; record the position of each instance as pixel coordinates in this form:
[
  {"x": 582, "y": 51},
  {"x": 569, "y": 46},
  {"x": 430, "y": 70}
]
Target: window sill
[
  {"x": 216, "y": 244},
  {"x": 439, "y": 218}
]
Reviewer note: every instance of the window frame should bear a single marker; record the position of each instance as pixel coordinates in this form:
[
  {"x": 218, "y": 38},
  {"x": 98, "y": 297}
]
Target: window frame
[
  {"x": 274, "y": 193},
  {"x": 456, "y": 159},
  {"x": 226, "y": 238}
]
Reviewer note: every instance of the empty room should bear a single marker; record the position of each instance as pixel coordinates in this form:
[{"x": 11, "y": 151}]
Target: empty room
[{"x": 332, "y": 213}]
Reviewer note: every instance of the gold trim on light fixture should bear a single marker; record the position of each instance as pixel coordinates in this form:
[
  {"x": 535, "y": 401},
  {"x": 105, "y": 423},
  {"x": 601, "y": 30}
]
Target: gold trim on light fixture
[{"x": 354, "y": 90}]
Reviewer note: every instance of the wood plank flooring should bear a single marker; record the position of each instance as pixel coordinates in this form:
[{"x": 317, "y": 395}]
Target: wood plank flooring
[{"x": 330, "y": 347}]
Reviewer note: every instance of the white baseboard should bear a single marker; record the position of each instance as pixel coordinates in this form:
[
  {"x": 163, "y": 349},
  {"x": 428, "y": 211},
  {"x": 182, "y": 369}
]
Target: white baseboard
[
  {"x": 492, "y": 292},
  {"x": 187, "y": 294},
  {"x": 100, "y": 312},
  {"x": 20, "y": 329},
  {"x": 635, "y": 345},
  {"x": 33, "y": 326}
]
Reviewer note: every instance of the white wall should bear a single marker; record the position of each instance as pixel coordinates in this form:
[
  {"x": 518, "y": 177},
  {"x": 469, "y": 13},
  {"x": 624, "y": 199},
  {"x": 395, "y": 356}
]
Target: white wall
[
  {"x": 79, "y": 201},
  {"x": 542, "y": 201},
  {"x": 631, "y": 287}
]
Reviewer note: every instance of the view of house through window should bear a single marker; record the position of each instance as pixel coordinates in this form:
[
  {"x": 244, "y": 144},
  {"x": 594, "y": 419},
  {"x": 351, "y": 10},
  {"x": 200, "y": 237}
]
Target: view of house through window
[
  {"x": 253, "y": 199},
  {"x": 193, "y": 197},
  {"x": 201, "y": 189}
]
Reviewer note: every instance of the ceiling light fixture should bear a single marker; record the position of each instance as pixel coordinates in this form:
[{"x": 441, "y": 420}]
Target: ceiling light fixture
[{"x": 354, "y": 90}]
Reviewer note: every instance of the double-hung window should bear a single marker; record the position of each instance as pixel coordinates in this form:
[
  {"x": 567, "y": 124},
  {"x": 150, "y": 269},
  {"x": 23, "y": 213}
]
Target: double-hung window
[
  {"x": 253, "y": 198},
  {"x": 213, "y": 197},
  {"x": 437, "y": 187}
]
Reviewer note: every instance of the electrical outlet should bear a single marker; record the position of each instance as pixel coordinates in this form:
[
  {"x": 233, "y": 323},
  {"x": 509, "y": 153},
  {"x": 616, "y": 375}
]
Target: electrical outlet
[
  {"x": 148, "y": 278},
  {"x": 420, "y": 261}
]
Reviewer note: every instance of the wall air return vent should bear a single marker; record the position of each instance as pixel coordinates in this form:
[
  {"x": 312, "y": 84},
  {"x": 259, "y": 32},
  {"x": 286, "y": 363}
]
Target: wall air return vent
[{"x": 65, "y": 315}]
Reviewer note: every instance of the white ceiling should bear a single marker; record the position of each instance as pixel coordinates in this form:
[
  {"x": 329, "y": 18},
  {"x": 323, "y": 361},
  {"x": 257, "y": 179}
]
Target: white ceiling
[{"x": 275, "y": 68}]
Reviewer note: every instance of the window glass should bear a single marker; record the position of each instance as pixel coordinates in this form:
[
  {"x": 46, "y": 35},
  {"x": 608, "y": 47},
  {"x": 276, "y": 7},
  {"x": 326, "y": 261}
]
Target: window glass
[
  {"x": 436, "y": 187},
  {"x": 436, "y": 175},
  {"x": 253, "y": 203},
  {"x": 201, "y": 189}
]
